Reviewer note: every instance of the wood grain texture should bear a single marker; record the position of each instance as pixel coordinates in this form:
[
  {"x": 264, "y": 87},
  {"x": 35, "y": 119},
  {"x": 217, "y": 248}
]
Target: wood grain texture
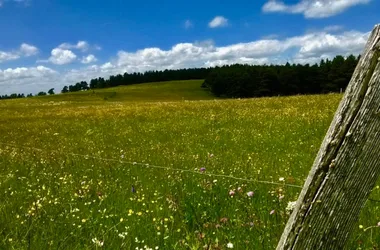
[{"x": 347, "y": 165}]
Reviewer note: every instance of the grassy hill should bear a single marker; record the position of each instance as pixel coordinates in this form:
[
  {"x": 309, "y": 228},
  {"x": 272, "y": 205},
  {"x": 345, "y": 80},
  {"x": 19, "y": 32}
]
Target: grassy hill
[{"x": 146, "y": 92}]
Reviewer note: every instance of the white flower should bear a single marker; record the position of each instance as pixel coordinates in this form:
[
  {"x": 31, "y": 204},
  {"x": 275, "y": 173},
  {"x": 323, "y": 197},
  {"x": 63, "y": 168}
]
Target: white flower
[
  {"x": 281, "y": 179},
  {"x": 97, "y": 242},
  {"x": 230, "y": 245},
  {"x": 291, "y": 205}
]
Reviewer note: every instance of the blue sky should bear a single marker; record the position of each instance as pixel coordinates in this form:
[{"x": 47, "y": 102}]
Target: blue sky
[{"x": 48, "y": 43}]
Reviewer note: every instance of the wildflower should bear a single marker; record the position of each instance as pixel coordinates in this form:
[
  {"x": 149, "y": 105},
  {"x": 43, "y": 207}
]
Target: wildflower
[
  {"x": 272, "y": 212},
  {"x": 121, "y": 219},
  {"x": 250, "y": 194},
  {"x": 361, "y": 226},
  {"x": 378, "y": 224},
  {"x": 291, "y": 205},
  {"x": 232, "y": 192},
  {"x": 230, "y": 245},
  {"x": 97, "y": 242},
  {"x": 281, "y": 179},
  {"x": 203, "y": 169},
  {"x": 83, "y": 220},
  {"x": 139, "y": 213},
  {"x": 281, "y": 197}
]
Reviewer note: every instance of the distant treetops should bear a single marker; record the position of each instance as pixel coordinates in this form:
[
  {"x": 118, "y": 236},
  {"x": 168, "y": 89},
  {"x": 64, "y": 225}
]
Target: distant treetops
[{"x": 240, "y": 81}]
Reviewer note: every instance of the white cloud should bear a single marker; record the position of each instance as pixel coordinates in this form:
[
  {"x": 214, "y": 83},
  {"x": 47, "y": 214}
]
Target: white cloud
[
  {"x": 313, "y": 8},
  {"x": 306, "y": 48},
  {"x": 7, "y": 56},
  {"x": 333, "y": 28},
  {"x": 89, "y": 59},
  {"x": 28, "y": 50},
  {"x": 81, "y": 45},
  {"x": 62, "y": 56},
  {"x": 23, "y": 73},
  {"x": 218, "y": 21},
  {"x": 188, "y": 24},
  {"x": 25, "y": 80},
  {"x": 25, "y": 50}
]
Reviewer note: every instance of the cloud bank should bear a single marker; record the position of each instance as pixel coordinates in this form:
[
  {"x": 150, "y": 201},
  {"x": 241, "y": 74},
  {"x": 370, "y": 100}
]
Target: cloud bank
[{"x": 307, "y": 48}]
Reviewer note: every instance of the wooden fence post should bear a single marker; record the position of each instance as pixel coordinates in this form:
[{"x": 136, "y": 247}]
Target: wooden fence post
[{"x": 347, "y": 166}]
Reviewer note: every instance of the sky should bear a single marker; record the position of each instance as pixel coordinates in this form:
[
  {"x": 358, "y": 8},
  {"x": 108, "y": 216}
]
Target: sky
[{"x": 48, "y": 44}]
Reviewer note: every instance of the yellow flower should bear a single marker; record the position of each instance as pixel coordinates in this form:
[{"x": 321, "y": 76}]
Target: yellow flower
[
  {"x": 83, "y": 220},
  {"x": 121, "y": 219},
  {"x": 139, "y": 213},
  {"x": 361, "y": 226}
]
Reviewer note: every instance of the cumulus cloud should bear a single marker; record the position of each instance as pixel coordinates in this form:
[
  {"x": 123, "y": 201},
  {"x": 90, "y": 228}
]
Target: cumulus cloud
[
  {"x": 313, "y": 8},
  {"x": 25, "y": 50},
  {"x": 313, "y": 46},
  {"x": 218, "y": 21},
  {"x": 28, "y": 50},
  {"x": 25, "y": 80},
  {"x": 7, "y": 56},
  {"x": 89, "y": 59},
  {"x": 80, "y": 45},
  {"x": 24, "y": 73},
  {"x": 62, "y": 56},
  {"x": 306, "y": 48}
]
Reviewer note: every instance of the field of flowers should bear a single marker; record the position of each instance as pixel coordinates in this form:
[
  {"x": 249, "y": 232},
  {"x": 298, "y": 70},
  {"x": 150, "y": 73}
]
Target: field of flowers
[{"x": 158, "y": 175}]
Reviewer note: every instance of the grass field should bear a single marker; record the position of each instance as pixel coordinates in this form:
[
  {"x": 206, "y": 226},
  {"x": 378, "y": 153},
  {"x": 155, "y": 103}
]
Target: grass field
[{"x": 68, "y": 164}]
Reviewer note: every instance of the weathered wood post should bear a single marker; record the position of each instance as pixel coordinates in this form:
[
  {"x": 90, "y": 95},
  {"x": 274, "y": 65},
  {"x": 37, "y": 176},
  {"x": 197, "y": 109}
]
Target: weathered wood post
[{"x": 347, "y": 166}]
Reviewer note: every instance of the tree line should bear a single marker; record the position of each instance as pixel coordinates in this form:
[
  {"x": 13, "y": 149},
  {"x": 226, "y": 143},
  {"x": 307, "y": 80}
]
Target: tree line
[
  {"x": 239, "y": 80},
  {"x": 16, "y": 96}
]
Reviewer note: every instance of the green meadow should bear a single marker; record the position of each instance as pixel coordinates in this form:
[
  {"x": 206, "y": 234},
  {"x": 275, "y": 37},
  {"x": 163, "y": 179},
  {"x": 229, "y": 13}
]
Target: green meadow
[{"x": 159, "y": 166}]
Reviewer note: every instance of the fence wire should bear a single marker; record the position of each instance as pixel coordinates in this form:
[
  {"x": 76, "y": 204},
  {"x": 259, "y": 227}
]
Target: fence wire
[{"x": 147, "y": 165}]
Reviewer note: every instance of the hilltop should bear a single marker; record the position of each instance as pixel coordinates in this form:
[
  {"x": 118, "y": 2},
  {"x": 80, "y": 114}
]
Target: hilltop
[{"x": 146, "y": 92}]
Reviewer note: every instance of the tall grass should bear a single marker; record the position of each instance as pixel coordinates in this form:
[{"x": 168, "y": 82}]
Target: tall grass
[{"x": 52, "y": 199}]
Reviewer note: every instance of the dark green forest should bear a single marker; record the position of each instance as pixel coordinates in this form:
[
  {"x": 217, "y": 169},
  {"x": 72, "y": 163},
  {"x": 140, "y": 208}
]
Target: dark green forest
[{"x": 238, "y": 80}]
